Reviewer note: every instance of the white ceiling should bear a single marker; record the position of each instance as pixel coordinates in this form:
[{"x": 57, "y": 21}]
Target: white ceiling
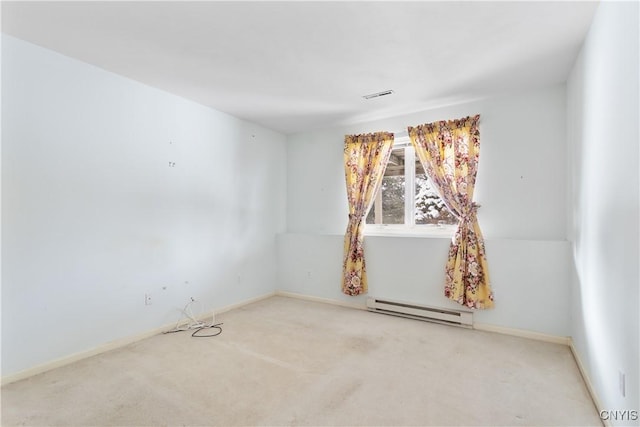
[{"x": 294, "y": 66}]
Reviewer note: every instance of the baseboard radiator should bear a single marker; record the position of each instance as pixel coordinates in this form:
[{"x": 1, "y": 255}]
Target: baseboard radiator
[{"x": 421, "y": 312}]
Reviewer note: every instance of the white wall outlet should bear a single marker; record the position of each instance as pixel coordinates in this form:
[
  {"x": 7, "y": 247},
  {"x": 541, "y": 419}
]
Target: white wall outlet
[
  {"x": 147, "y": 299},
  {"x": 621, "y": 381}
]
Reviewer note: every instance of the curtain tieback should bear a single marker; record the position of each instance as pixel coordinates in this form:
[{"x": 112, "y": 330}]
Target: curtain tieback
[{"x": 470, "y": 215}]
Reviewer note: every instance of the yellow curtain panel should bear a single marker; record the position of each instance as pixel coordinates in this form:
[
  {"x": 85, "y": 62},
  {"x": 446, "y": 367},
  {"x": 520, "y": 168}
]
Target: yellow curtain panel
[
  {"x": 449, "y": 151},
  {"x": 365, "y": 160}
]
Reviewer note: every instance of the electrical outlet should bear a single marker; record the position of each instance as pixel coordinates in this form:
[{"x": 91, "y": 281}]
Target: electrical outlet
[
  {"x": 147, "y": 299},
  {"x": 621, "y": 381}
]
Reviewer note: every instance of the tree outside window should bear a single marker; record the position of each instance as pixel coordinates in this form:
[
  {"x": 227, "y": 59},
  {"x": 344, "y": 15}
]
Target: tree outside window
[{"x": 407, "y": 196}]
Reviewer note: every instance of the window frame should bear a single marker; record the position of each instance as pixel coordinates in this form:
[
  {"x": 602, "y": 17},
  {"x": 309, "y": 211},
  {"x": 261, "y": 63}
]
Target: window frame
[{"x": 409, "y": 228}]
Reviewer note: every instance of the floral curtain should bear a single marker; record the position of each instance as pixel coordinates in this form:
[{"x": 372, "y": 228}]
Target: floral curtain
[
  {"x": 448, "y": 151},
  {"x": 365, "y": 160}
]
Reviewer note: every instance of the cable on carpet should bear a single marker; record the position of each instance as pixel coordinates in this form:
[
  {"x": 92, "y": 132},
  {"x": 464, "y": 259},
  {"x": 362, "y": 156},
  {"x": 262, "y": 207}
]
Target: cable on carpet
[{"x": 194, "y": 324}]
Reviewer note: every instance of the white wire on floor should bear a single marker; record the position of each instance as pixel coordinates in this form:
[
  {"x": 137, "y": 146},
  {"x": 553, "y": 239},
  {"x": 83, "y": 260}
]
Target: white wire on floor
[{"x": 189, "y": 321}]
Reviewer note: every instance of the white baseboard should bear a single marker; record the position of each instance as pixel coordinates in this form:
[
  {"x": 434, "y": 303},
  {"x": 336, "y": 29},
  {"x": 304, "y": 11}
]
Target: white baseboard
[
  {"x": 361, "y": 306},
  {"x": 585, "y": 376},
  {"x": 243, "y": 302},
  {"x": 538, "y": 336},
  {"x": 66, "y": 360},
  {"x": 112, "y": 345}
]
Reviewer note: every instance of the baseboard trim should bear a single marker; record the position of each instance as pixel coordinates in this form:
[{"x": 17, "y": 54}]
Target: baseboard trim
[
  {"x": 592, "y": 391},
  {"x": 112, "y": 345},
  {"x": 75, "y": 357},
  {"x": 362, "y": 306},
  {"x": 243, "y": 303},
  {"x": 538, "y": 336}
]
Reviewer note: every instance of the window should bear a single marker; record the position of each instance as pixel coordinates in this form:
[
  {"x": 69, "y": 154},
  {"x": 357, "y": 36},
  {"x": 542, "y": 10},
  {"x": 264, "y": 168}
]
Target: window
[{"x": 407, "y": 200}]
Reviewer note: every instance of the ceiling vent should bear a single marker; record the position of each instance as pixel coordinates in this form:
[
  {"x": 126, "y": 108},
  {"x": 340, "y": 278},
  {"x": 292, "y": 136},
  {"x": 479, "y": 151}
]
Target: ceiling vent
[{"x": 378, "y": 94}]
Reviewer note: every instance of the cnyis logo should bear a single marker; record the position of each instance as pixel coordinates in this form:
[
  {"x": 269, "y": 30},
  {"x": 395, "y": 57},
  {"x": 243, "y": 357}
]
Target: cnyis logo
[{"x": 618, "y": 415}]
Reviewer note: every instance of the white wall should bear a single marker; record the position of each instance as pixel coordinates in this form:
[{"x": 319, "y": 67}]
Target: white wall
[
  {"x": 603, "y": 141},
  {"x": 521, "y": 187},
  {"x": 93, "y": 218}
]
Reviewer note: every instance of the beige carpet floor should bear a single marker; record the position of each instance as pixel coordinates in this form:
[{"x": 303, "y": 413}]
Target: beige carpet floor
[{"x": 284, "y": 361}]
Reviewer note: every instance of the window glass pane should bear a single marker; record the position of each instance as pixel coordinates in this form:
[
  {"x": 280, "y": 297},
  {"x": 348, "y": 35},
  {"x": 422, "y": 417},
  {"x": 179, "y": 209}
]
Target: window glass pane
[
  {"x": 430, "y": 208},
  {"x": 393, "y": 189},
  {"x": 391, "y": 192},
  {"x": 390, "y": 204},
  {"x": 371, "y": 219},
  {"x": 393, "y": 199}
]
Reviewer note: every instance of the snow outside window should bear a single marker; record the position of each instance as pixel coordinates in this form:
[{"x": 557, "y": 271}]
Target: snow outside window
[{"x": 406, "y": 199}]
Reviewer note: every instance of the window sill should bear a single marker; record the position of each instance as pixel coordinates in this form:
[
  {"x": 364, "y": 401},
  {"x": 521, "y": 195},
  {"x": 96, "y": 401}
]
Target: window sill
[{"x": 425, "y": 231}]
